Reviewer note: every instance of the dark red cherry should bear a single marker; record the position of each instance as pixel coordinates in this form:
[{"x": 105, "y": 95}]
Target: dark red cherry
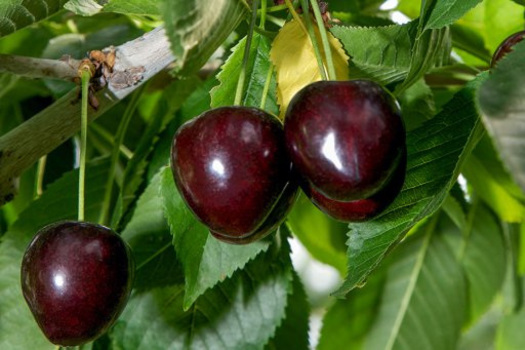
[
  {"x": 506, "y": 46},
  {"x": 231, "y": 166},
  {"x": 272, "y": 222},
  {"x": 76, "y": 278},
  {"x": 361, "y": 209},
  {"x": 346, "y": 138}
]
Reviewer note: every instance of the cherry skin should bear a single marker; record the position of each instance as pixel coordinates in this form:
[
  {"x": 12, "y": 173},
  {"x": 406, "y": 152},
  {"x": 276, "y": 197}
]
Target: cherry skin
[
  {"x": 506, "y": 46},
  {"x": 346, "y": 138},
  {"x": 361, "y": 209},
  {"x": 76, "y": 278},
  {"x": 231, "y": 167},
  {"x": 272, "y": 222}
]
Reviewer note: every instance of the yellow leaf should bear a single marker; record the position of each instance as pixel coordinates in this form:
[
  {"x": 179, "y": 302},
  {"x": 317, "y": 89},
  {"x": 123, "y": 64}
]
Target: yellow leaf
[{"x": 296, "y": 66}]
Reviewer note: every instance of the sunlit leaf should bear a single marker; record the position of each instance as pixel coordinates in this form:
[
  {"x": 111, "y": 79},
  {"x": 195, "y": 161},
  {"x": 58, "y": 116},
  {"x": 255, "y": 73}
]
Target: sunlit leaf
[
  {"x": 16, "y": 14},
  {"x": 436, "y": 152}
]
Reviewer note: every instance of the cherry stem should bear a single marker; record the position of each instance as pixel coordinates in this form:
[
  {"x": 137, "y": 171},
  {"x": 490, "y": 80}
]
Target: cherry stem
[
  {"x": 315, "y": 43},
  {"x": 41, "y": 169},
  {"x": 264, "y": 7},
  {"x": 242, "y": 75},
  {"x": 117, "y": 144},
  {"x": 86, "y": 77},
  {"x": 275, "y": 8},
  {"x": 266, "y": 86},
  {"x": 324, "y": 39}
]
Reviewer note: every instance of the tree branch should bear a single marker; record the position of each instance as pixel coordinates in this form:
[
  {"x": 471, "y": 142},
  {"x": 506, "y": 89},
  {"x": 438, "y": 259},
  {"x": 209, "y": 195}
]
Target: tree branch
[
  {"x": 24, "y": 145},
  {"x": 30, "y": 67}
]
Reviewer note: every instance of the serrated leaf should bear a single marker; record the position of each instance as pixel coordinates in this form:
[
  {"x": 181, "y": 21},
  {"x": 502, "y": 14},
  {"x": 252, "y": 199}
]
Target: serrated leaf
[
  {"x": 293, "y": 331},
  {"x": 446, "y": 12},
  {"x": 436, "y": 152},
  {"x": 492, "y": 192},
  {"x": 322, "y": 236},
  {"x": 485, "y": 276},
  {"x": 138, "y": 7},
  {"x": 18, "y": 329},
  {"x": 503, "y": 107},
  {"x": 149, "y": 236},
  {"x": 83, "y": 7},
  {"x": 196, "y": 28},
  {"x": 378, "y": 53},
  {"x": 408, "y": 318},
  {"x": 242, "y": 312},
  {"x": 206, "y": 260},
  {"x": 16, "y": 14},
  {"x": 431, "y": 48},
  {"x": 348, "y": 321},
  {"x": 295, "y": 63},
  {"x": 257, "y": 69}
]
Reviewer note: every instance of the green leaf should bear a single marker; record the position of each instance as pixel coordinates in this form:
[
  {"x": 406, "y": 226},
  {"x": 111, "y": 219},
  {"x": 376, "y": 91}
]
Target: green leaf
[
  {"x": 83, "y": 7},
  {"x": 349, "y": 320},
  {"x": 378, "y": 53},
  {"x": 149, "y": 236},
  {"x": 424, "y": 292},
  {"x": 436, "y": 152},
  {"x": 18, "y": 329},
  {"x": 206, "y": 260},
  {"x": 16, "y": 14},
  {"x": 501, "y": 101},
  {"x": 164, "y": 112},
  {"x": 510, "y": 335},
  {"x": 293, "y": 331},
  {"x": 417, "y": 105},
  {"x": 256, "y": 72},
  {"x": 492, "y": 192},
  {"x": 196, "y": 28},
  {"x": 242, "y": 312},
  {"x": 138, "y": 7},
  {"x": 484, "y": 275},
  {"x": 501, "y": 19},
  {"x": 446, "y": 12},
  {"x": 431, "y": 49},
  {"x": 322, "y": 236}
]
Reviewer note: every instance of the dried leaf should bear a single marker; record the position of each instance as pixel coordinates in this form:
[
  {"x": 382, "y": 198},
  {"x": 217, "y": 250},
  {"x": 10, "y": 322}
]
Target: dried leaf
[{"x": 295, "y": 63}]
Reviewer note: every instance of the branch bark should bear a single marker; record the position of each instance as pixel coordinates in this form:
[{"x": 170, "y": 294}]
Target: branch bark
[
  {"x": 24, "y": 145},
  {"x": 30, "y": 67}
]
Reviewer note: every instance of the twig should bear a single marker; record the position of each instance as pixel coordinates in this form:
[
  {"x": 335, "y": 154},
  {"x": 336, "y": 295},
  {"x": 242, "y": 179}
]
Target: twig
[
  {"x": 29, "y": 67},
  {"x": 24, "y": 145}
]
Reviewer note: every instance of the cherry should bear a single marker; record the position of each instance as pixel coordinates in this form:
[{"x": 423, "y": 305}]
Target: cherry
[
  {"x": 272, "y": 222},
  {"x": 361, "y": 209},
  {"x": 346, "y": 138},
  {"x": 231, "y": 166},
  {"x": 76, "y": 278},
  {"x": 506, "y": 46}
]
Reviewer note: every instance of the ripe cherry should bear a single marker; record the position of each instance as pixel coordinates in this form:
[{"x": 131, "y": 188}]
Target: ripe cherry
[
  {"x": 506, "y": 46},
  {"x": 272, "y": 222},
  {"x": 361, "y": 209},
  {"x": 76, "y": 278},
  {"x": 346, "y": 138},
  {"x": 231, "y": 166}
]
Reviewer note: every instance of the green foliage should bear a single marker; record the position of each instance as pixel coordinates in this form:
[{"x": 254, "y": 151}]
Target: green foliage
[
  {"x": 18, "y": 329},
  {"x": 206, "y": 260},
  {"x": 16, "y": 14},
  {"x": 500, "y": 99},
  {"x": 256, "y": 72},
  {"x": 191, "y": 47},
  {"x": 436, "y": 151},
  {"x": 441, "y": 268}
]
